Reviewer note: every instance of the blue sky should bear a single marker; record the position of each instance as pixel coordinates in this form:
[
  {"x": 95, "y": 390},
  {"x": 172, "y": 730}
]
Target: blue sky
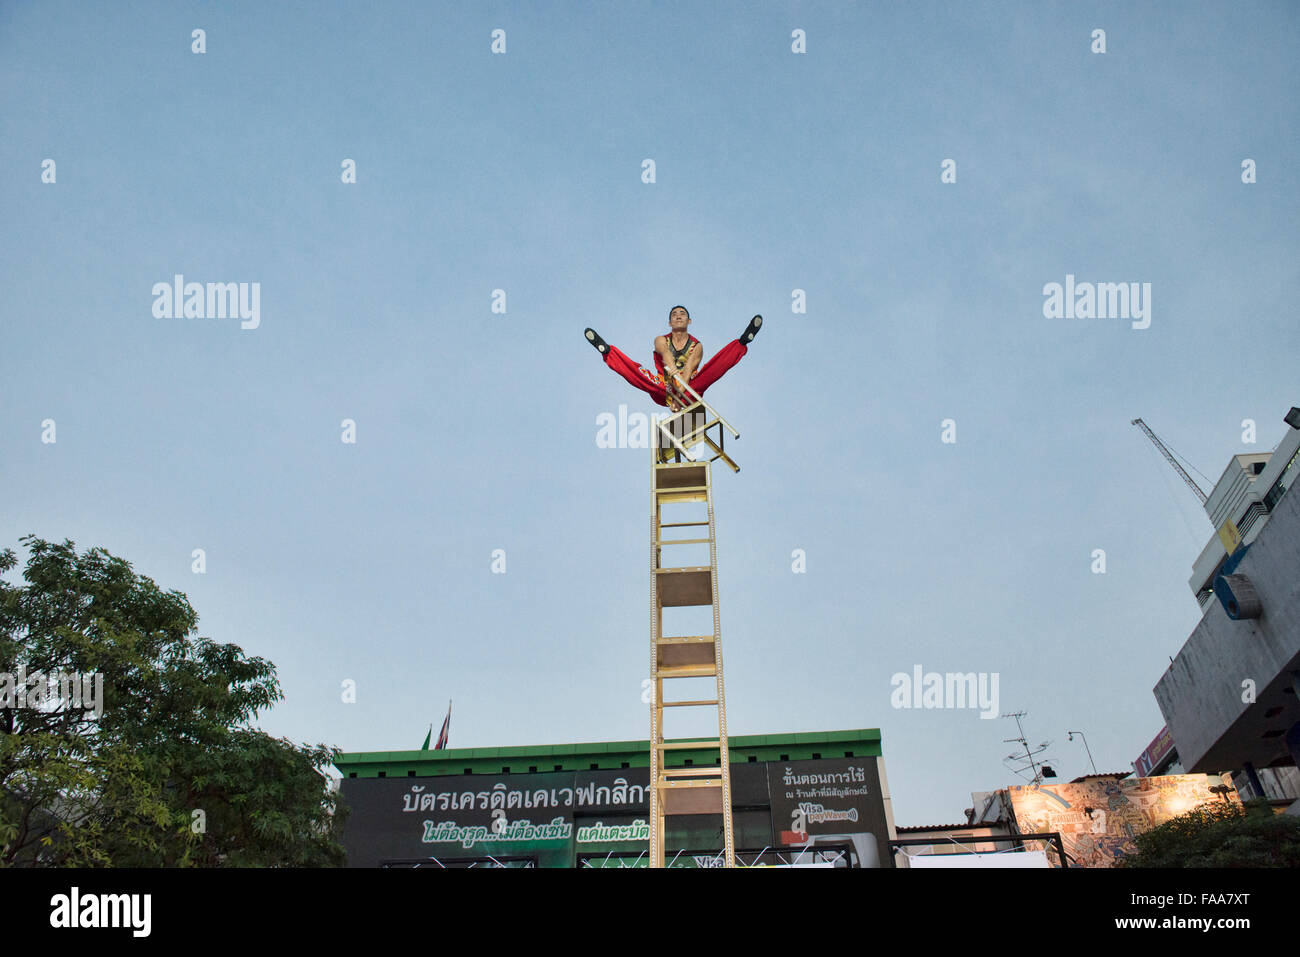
[{"x": 775, "y": 171}]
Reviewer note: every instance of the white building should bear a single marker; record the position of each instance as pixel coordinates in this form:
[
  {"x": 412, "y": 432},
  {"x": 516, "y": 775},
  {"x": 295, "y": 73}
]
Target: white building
[
  {"x": 1230, "y": 696},
  {"x": 1245, "y": 494}
]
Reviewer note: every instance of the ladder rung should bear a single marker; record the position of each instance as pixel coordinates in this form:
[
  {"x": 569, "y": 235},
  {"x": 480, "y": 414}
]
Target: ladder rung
[
  {"x": 691, "y": 772},
  {"x": 700, "y": 783},
  {"x": 689, "y": 745},
  {"x": 711, "y": 702},
  {"x": 677, "y": 496},
  {"x": 687, "y": 671},
  {"x": 681, "y": 496},
  {"x": 679, "y": 524},
  {"x": 683, "y": 541},
  {"x": 686, "y": 639}
]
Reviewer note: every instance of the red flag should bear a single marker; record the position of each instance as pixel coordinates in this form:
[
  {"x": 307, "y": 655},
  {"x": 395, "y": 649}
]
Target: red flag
[{"x": 442, "y": 735}]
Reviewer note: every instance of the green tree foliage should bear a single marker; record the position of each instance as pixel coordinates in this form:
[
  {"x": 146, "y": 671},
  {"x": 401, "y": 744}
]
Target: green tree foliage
[
  {"x": 171, "y": 773},
  {"x": 1221, "y": 835}
]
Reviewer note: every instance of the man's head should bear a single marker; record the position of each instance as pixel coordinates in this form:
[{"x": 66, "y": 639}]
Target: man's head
[{"x": 678, "y": 317}]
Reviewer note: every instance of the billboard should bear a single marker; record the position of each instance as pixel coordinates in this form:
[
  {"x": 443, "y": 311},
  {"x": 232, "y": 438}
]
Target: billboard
[
  {"x": 830, "y": 802},
  {"x": 1098, "y": 819},
  {"x": 1159, "y": 749},
  {"x": 563, "y": 816}
]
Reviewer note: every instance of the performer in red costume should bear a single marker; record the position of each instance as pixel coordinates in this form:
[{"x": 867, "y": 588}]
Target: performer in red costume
[{"x": 677, "y": 354}]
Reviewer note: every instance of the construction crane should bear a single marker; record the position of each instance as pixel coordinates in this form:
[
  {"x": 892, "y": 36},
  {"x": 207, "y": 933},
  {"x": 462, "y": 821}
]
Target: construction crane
[{"x": 1165, "y": 452}]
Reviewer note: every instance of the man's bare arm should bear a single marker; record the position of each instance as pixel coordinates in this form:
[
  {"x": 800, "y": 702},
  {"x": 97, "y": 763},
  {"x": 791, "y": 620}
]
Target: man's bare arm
[
  {"x": 693, "y": 360},
  {"x": 661, "y": 347}
]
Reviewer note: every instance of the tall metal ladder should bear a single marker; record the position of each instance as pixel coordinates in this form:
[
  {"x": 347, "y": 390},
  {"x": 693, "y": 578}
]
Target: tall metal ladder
[{"x": 676, "y": 478}]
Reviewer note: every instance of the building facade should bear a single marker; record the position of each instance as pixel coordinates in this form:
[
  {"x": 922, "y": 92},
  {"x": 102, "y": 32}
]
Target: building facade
[
  {"x": 1240, "y": 505},
  {"x": 1230, "y": 696}
]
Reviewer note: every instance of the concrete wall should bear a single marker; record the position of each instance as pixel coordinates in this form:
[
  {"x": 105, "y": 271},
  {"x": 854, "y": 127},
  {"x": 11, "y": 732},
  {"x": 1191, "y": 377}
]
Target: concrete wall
[
  {"x": 1280, "y": 784},
  {"x": 1201, "y": 692}
]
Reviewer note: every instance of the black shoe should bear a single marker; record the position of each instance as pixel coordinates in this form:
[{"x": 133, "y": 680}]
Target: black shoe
[
  {"x": 594, "y": 338},
  {"x": 751, "y": 330}
]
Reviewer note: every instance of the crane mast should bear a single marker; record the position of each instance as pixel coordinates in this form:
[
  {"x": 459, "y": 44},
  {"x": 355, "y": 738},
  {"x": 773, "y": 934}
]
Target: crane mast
[{"x": 1165, "y": 452}]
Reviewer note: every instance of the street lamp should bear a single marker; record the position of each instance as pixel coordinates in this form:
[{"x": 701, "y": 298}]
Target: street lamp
[{"x": 1070, "y": 736}]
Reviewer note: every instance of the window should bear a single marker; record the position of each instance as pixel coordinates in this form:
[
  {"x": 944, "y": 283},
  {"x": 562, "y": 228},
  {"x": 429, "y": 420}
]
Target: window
[
  {"x": 689, "y": 761},
  {"x": 383, "y": 774},
  {"x": 352, "y": 774},
  {"x": 532, "y": 769},
  {"x": 625, "y": 765},
  {"x": 410, "y": 774},
  {"x": 753, "y": 759},
  {"x": 785, "y": 757},
  {"x": 816, "y": 756},
  {"x": 469, "y": 770},
  {"x": 848, "y": 754},
  {"x": 595, "y": 767},
  {"x": 505, "y": 769},
  {"x": 559, "y": 767},
  {"x": 1283, "y": 483}
]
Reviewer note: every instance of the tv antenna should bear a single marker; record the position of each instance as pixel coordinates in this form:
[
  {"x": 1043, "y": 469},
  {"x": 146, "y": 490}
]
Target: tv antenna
[{"x": 1037, "y": 770}]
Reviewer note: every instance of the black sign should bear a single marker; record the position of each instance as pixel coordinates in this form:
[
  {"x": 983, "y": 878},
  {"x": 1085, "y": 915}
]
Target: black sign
[
  {"x": 842, "y": 797},
  {"x": 548, "y": 815}
]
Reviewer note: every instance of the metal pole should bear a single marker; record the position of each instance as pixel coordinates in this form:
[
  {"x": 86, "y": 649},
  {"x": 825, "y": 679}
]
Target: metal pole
[{"x": 1086, "y": 748}]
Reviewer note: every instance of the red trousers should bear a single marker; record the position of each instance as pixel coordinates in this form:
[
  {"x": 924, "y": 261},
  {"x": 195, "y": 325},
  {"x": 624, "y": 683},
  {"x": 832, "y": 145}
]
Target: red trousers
[{"x": 653, "y": 384}]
